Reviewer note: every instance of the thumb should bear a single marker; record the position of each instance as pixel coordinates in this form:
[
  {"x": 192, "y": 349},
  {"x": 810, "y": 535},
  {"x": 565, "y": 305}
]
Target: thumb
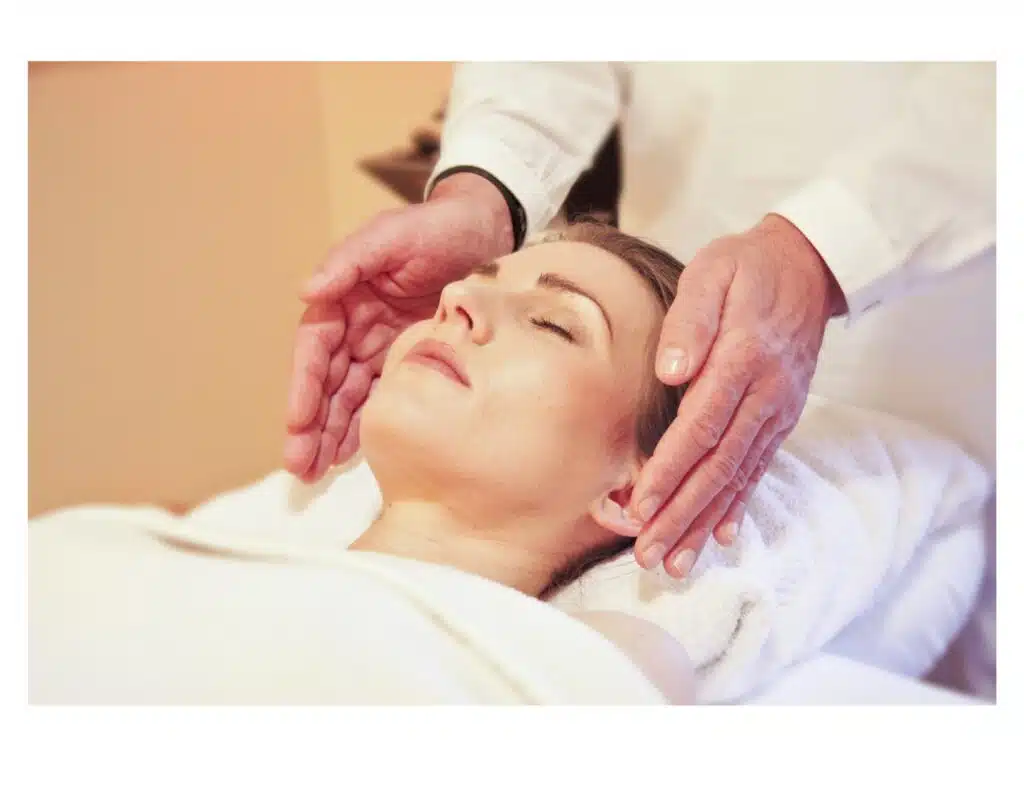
[
  {"x": 331, "y": 282},
  {"x": 359, "y": 257},
  {"x": 691, "y": 324}
]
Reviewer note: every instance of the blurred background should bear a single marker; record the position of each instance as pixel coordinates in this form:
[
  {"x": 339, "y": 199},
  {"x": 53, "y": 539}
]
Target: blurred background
[{"x": 174, "y": 211}]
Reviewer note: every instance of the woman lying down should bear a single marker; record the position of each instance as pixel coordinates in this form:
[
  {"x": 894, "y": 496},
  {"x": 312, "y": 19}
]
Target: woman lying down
[{"x": 505, "y": 434}]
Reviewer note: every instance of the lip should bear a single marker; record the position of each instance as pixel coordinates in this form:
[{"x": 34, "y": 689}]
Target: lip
[{"x": 439, "y": 356}]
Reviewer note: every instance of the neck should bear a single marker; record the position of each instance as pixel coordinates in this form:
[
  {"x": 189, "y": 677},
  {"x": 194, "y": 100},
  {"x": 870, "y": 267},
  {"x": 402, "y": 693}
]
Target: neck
[{"x": 516, "y": 553}]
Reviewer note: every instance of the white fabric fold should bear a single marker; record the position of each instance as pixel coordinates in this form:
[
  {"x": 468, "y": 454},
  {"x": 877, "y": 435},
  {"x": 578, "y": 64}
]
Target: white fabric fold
[{"x": 133, "y": 608}]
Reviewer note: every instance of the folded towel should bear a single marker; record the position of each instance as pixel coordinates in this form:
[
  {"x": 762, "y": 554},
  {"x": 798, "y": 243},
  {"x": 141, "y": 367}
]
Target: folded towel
[{"x": 840, "y": 514}]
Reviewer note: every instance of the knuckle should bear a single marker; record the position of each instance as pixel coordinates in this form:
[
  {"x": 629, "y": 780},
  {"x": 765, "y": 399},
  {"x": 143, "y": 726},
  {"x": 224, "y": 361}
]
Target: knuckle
[
  {"x": 737, "y": 374},
  {"x": 724, "y": 469},
  {"x": 739, "y": 480},
  {"x": 733, "y": 377},
  {"x": 699, "y": 329},
  {"x": 706, "y": 433},
  {"x": 754, "y": 351},
  {"x": 767, "y": 411}
]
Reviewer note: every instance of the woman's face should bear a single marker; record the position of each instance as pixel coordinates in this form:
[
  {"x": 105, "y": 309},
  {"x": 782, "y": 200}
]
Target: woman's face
[{"x": 520, "y": 395}]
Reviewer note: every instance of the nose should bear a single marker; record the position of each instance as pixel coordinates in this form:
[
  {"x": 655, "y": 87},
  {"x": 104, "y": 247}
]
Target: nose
[{"x": 465, "y": 305}]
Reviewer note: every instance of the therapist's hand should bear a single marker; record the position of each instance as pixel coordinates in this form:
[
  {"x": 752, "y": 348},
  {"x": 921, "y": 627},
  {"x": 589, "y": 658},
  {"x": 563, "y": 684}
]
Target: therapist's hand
[
  {"x": 373, "y": 285},
  {"x": 744, "y": 330}
]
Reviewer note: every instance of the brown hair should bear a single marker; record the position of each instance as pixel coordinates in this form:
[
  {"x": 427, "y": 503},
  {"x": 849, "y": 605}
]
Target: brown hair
[{"x": 660, "y": 271}]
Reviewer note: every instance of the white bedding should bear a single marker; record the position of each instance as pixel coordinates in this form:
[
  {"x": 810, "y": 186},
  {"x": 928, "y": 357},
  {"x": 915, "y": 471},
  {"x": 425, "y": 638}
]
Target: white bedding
[
  {"x": 135, "y": 610},
  {"x": 110, "y": 622},
  {"x": 825, "y": 680}
]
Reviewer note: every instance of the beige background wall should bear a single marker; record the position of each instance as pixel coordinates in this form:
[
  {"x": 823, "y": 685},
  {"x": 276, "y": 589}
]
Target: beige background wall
[{"x": 174, "y": 209}]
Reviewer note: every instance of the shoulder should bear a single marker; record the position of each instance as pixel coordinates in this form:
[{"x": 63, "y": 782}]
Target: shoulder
[{"x": 658, "y": 654}]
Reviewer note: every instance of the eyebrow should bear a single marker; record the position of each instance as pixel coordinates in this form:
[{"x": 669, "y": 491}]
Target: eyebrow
[{"x": 551, "y": 281}]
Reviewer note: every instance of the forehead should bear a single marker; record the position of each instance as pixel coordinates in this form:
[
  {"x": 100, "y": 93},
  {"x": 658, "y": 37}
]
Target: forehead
[{"x": 628, "y": 299}]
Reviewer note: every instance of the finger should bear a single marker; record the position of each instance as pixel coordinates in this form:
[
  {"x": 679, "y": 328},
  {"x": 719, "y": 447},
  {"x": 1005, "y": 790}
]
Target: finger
[
  {"x": 325, "y": 456},
  {"x": 337, "y": 371},
  {"x": 365, "y": 308},
  {"x": 319, "y": 336},
  {"x": 362, "y": 255},
  {"x": 681, "y": 558},
  {"x": 300, "y": 452},
  {"x": 333, "y": 281},
  {"x": 309, "y": 368},
  {"x": 375, "y": 365},
  {"x": 303, "y": 400},
  {"x": 725, "y": 531},
  {"x": 350, "y": 444},
  {"x": 691, "y": 324},
  {"x": 302, "y": 448},
  {"x": 710, "y": 477},
  {"x": 349, "y": 397},
  {"x": 379, "y": 338},
  {"x": 734, "y": 520},
  {"x": 311, "y": 474},
  {"x": 704, "y": 414}
]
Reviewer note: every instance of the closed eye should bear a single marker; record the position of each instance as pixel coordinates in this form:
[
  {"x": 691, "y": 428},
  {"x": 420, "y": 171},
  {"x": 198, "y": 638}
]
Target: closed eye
[{"x": 555, "y": 328}]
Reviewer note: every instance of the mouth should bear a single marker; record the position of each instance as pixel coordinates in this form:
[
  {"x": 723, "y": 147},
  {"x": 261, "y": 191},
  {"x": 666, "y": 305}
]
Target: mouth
[{"x": 439, "y": 356}]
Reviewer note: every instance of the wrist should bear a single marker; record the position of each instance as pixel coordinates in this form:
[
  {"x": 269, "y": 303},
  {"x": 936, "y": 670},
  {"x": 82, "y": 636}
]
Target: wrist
[
  {"x": 801, "y": 246},
  {"x": 483, "y": 196}
]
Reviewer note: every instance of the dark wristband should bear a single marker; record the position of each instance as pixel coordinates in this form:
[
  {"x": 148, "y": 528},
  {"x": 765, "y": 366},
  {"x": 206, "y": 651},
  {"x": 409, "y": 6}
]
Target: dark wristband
[{"x": 515, "y": 208}]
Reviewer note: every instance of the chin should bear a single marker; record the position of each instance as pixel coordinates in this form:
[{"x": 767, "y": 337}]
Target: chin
[
  {"x": 404, "y": 438},
  {"x": 415, "y": 450}
]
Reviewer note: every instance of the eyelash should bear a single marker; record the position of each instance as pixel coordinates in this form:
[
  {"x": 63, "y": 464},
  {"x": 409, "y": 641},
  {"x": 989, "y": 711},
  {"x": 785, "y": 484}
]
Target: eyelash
[{"x": 555, "y": 328}]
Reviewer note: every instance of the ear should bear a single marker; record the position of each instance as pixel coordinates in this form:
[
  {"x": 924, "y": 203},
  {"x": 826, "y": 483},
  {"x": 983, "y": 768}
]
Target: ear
[{"x": 609, "y": 510}]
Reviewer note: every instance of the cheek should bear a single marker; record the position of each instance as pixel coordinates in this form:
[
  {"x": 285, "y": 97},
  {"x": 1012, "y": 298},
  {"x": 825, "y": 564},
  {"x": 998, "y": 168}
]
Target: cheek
[{"x": 560, "y": 402}]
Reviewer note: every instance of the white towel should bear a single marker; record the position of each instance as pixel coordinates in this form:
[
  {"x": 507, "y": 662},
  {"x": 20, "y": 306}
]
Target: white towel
[{"x": 838, "y": 516}]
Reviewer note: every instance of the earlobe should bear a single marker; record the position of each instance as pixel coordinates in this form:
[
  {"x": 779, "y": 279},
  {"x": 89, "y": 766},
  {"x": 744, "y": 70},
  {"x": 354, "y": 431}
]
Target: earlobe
[{"x": 609, "y": 511}]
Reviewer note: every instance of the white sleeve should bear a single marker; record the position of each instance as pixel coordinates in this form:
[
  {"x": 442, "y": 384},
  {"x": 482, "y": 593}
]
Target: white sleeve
[
  {"x": 914, "y": 200},
  {"x": 534, "y": 126}
]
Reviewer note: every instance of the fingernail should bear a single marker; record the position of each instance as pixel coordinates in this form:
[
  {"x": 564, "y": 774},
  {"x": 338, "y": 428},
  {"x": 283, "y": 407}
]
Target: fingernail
[
  {"x": 648, "y": 508},
  {"x": 683, "y": 562},
  {"x": 673, "y": 362},
  {"x": 652, "y": 556},
  {"x": 728, "y": 534}
]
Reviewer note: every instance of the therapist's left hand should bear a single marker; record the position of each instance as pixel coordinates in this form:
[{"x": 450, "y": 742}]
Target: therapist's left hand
[{"x": 745, "y": 331}]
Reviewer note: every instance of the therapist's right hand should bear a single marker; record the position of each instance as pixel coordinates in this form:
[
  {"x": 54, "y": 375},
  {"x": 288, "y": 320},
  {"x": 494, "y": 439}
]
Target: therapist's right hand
[{"x": 374, "y": 284}]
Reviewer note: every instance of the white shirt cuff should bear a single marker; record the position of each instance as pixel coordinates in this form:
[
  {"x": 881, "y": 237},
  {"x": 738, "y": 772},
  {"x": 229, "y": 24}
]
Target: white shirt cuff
[
  {"x": 506, "y": 166},
  {"x": 856, "y": 250}
]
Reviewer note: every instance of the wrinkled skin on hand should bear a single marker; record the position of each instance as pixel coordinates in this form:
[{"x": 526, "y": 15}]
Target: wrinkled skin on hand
[{"x": 745, "y": 331}]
